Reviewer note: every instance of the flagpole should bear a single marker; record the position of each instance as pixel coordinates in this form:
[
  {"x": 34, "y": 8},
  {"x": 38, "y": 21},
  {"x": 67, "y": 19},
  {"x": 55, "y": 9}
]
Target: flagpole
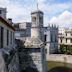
[{"x": 37, "y": 6}]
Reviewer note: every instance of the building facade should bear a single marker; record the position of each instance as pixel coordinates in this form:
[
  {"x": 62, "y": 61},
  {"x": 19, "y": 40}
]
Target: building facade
[
  {"x": 49, "y": 35},
  {"x": 8, "y": 51},
  {"x": 6, "y": 34},
  {"x": 65, "y": 36},
  {"x": 51, "y": 39},
  {"x": 23, "y": 30}
]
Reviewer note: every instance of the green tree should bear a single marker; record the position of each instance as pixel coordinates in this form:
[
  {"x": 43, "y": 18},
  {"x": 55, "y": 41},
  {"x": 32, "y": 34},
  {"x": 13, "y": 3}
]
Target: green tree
[
  {"x": 66, "y": 49},
  {"x": 63, "y": 48}
]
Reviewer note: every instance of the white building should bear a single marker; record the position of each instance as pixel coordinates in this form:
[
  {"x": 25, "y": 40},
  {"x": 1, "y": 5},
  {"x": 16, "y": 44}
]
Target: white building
[
  {"x": 6, "y": 34},
  {"x": 8, "y": 53},
  {"x": 65, "y": 36}
]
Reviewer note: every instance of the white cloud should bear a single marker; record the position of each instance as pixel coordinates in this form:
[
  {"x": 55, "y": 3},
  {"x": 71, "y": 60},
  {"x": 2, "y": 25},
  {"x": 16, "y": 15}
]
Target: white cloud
[
  {"x": 16, "y": 11},
  {"x": 21, "y": 12},
  {"x": 39, "y": 1},
  {"x": 54, "y": 8},
  {"x": 63, "y": 20},
  {"x": 4, "y": 3}
]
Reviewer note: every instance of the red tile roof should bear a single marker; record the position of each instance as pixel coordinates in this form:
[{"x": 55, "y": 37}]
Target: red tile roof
[{"x": 6, "y": 23}]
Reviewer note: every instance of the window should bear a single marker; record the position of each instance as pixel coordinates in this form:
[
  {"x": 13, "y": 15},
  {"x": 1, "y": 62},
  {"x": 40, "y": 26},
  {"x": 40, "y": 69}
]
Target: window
[
  {"x": 11, "y": 37},
  {"x": 66, "y": 40},
  {"x": 7, "y": 37},
  {"x": 41, "y": 20},
  {"x": 34, "y": 19},
  {"x": 66, "y": 34},
  {"x": 71, "y": 40},
  {"x": 1, "y": 33},
  {"x": 56, "y": 38},
  {"x": 71, "y": 34},
  {"x": 61, "y": 40},
  {"x": 0, "y": 11},
  {"x": 51, "y": 38},
  {"x": 45, "y": 38}
]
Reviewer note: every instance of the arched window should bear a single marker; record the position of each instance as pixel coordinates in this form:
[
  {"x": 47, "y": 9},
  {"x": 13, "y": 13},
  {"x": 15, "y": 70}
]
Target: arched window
[{"x": 34, "y": 19}]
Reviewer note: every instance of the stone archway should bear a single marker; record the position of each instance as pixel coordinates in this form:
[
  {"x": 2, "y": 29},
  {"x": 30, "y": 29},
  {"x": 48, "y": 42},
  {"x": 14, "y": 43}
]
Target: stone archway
[{"x": 30, "y": 69}]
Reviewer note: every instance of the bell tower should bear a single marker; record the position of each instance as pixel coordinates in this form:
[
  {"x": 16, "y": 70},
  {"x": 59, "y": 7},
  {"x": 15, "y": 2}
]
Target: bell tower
[
  {"x": 35, "y": 44},
  {"x": 37, "y": 18},
  {"x": 37, "y": 24}
]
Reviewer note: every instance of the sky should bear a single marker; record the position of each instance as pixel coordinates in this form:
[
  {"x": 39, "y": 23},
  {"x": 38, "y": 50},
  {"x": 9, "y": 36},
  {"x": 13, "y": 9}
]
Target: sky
[{"x": 57, "y": 12}]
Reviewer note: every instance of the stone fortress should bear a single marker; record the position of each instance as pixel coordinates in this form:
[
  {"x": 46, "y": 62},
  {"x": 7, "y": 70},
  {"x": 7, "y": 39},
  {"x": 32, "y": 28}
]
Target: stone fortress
[{"x": 39, "y": 41}]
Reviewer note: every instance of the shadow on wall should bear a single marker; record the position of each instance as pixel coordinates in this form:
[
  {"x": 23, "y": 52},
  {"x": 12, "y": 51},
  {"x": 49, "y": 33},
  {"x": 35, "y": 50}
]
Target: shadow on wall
[
  {"x": 29, "y": 69},
  {"x": 61, "y": 69},
  {"x": 26, "y": 62}
]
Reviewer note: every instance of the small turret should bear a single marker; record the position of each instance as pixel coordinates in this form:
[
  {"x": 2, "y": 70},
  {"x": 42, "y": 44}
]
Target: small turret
[{"x": 10, "y": 20}]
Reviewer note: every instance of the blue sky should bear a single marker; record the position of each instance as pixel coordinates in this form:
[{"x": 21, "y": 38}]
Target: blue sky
[{"x": 57, "y": 12}]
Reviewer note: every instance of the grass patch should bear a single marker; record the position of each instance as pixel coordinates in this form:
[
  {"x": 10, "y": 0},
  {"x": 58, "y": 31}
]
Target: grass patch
[{"x": 53, "y": 64}]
